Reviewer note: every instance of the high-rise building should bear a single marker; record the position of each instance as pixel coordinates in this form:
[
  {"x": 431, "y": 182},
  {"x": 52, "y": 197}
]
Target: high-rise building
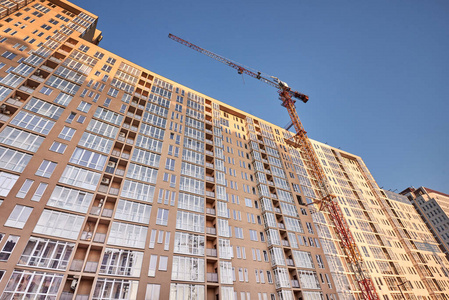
[
  {"x": 433, "y": 206},
  {"x": 118, "y": 183}
]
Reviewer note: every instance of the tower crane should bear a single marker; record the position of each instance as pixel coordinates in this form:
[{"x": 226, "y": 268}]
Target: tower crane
[{"x": 327, "y": 200}]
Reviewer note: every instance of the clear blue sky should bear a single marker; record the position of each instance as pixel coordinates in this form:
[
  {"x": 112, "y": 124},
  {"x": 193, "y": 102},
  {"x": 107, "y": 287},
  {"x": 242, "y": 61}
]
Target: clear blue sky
[{"x": 377, "y": 72}]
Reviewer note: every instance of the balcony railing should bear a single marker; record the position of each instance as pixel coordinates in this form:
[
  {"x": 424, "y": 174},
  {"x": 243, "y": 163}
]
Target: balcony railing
[
  {"x": 212, "y": 277},
  {"x": 91, "y": 267},
  {"x": 210, "y": 211},
  {"x": 285, "y": 243},
  {"x": 281, "y": 225},
  {"x": 211, "y": 230},
  {"x": 66, "y": 296},
  {"x": 210, "y": 178},
  {"x": 209, "y": 152},
  {"x": 210, "y": 194},
  {"x": 290, "y": 262},
  {"x": 82, "y": 297},
  {"x": 107, "y": 213},
  {"x": 77, "y": 265},
  {"x": 295, "y": 283},
  {"x": 100, "y": 237},
  {"x": 209, "y": 165},
  {"x": 211, "y": 252},
  {"x": 95, "y": 211}
]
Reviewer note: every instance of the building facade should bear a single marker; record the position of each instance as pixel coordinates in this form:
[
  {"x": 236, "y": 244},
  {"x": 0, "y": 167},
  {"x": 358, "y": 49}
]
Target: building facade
[
  {"x": 118, "y": 183},
  {"x": 433, "y": 207}
]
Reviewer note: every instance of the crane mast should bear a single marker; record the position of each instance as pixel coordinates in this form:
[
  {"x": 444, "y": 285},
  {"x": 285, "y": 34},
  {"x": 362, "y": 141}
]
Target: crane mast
[{"x": 327, "y": 201}]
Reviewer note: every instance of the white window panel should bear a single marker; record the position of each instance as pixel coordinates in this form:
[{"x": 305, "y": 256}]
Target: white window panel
[
  {"x": 19, "y": 216},
  {"x": 20, "y": 139},
  {"x": 59, "y": 224},
  {"x": 127, "y": 235},
  {"x": 70, "y": 199},
  {"x": 13, "y": 160},
  {"x": 46, "y": 253},
  {"x": 120, "y": 262}
]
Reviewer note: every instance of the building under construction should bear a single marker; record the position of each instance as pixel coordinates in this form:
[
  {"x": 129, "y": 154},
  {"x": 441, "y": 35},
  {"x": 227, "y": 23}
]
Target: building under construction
[{"x": 118, "y": 183}]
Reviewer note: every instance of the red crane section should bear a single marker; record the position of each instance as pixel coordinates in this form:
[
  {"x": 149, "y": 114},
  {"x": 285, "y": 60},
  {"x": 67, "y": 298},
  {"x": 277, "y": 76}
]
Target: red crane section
[{"x": 327, "y": 200}]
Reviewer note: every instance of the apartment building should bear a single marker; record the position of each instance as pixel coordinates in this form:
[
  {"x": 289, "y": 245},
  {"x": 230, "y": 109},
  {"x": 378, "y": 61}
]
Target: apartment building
[
  {"x": 398, "y": 251},
  {"x": 433, "y": 207},
  {"x": 118, "y": 183}
]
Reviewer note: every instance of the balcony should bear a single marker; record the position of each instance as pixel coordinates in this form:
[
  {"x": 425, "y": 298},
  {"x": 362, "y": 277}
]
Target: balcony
[
  {"x": 210, "y": 194},
  {"x": 290, "y": 262},
  {"x": 277, "y": 210},
  {"x": 212, "y": 277},
  {"x": 210, "y": 178},
  {"x": 209, "y": 165},
  {"x": 211, "y": 252},
  {"x": 281, "y": 225},
  {"x": 77, "y": 265},
  {"x": 211, "y": 230},
  {"x": 210, "y": 142}
]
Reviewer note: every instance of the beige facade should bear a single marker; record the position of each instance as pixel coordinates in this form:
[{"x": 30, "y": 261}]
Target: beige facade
[{"x": 118, "y": 183}]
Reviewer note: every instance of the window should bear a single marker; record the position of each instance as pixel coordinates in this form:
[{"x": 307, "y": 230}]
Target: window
[
  {"x": 127, "y": 235},
  {"x": 238, "y": 232},
  {"x": 153, "y": 291},
  {"x": 152, "y": 268},
  {"x": 113, "y": 92},
  {"x": 170, "y": 164},
  {"x": 84, "y": 106},
  {"x": 18, "y": 216},
  {"x": 162, "y": 216},
  {"x": 66, "y": 133},
  {"x": 25, "y": 188},
  {"x": 107, "y": 288},
  {"x": 39, "y": 191},
  {"x": 45, "y": 90},
  {"x": 8, "y": 247},
  {"x": 46, "y": 168},
  {"x": 46, "y": 253},
  {"x": 163, "y": 260},
  {"x": 39, "y": 281},
  {"x": 107, "y": 102},
  {"x": 9, "y": 55},
  {"x": 120, "y": 262},
  {"x": 71, "y": 117},
  {"x": 133, "y": 211},
  {"x": 7, "y": 181},
  {"x": 58, "y": 147},
  {"x": 188, "y": 269},
  {"x": 59, "y": 224}
]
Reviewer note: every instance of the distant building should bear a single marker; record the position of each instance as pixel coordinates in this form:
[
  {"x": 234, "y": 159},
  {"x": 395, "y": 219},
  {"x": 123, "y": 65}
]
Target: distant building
[{"x": 433, "y": 206}]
